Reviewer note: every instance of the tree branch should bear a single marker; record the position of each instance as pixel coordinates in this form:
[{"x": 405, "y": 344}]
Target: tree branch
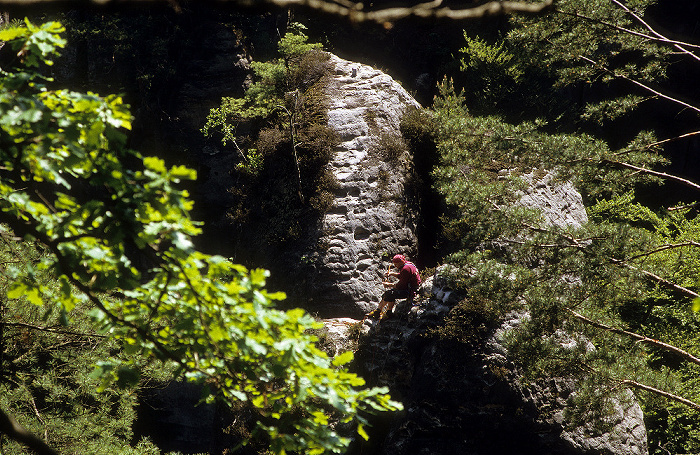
[
  {"x": 658, "y": 38},
  {"x": 10, "y": 427},
  {"x": 676, "y": 44},
  {"x": 663, "y": 393},
  {"x": 658, "y": 279},
  {"x": 641, "y": 338},
  {"x": 682, "y": 136},
  {"x": 663, "y": 175},
  {"x": 667, "y": 247},
  {"x": 639, "y": 84},
  {"x": 346, "y": 9}
]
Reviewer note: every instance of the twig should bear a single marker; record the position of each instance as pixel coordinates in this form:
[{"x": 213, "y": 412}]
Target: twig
[{"x": 658, "y": 279}]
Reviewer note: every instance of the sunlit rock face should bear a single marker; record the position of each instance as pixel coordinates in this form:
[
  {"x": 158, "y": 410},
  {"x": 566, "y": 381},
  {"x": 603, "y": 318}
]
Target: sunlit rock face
[
  {"x": 371, "y": 218},
  {"x": 559, "y": 202}
]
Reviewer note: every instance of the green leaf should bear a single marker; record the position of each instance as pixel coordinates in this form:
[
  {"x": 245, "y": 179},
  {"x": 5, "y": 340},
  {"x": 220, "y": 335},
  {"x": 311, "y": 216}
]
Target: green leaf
[
  {"x": 696, "y": 304},
  {"x": 343, "y": 358},
  {"x": 17, "y": 290},
  {"x": 361, "y": 431}
]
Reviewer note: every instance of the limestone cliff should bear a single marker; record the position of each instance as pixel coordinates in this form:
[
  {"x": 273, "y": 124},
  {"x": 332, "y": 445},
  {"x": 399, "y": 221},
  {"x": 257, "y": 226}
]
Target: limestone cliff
[{"x": 371, "y": 218}]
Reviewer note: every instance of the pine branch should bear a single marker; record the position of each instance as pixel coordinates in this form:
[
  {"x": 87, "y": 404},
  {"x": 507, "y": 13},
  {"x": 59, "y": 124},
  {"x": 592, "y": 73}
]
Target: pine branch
[
  {"x": 677, "y": 45},
  {"x": 663, "y": 393},
  {"x": 663, "y": 281},
  {"x": 640, "y": 84},
  {"x": 657, "y": 37},
  {"x": 640, "y": 338},
  {"x": 666, "y": 247},
  {"x": 663, "y": 175},
  {"x": 682, "y": 136}
]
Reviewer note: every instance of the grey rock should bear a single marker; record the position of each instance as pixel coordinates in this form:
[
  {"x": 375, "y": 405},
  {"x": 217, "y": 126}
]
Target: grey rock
[
  {"x": 560, "y": 203},
  {"x": 370, "y": 217}
]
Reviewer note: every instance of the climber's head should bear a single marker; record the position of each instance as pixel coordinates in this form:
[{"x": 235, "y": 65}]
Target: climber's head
[{"x": 399, "y": 260}]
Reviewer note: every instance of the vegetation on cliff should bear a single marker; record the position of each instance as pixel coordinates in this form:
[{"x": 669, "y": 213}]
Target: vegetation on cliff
[
  {"x": 99, "y": 268},
  {"x": 279, "y": 131}
]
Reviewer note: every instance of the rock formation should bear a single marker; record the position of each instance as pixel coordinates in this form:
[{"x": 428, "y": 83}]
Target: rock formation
[
  {"x": 561, "y": 205},
  {"x": 468, "y": 397},
  {"x": 371, "y": 218}
]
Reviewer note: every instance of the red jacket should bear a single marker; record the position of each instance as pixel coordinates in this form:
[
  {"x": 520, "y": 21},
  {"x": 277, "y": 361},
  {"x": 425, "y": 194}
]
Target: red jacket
[{"x": 409, "y": 278}]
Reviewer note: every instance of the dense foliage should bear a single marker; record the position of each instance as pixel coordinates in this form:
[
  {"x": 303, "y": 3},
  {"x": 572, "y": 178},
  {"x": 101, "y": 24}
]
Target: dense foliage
[
  {"x": 558, "y": 96},
  {"x": 115, "y": 235},
  {"x": 278, "y": 132}
]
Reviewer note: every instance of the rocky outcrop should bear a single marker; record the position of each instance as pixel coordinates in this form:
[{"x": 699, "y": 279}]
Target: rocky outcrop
[
  {"x": 468, "y": 397},
  {"x": 371, "y": 215},
  {"x": 559, "y": 202}
]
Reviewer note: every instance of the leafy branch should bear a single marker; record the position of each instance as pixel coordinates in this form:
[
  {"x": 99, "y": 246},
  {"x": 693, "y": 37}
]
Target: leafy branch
[{"x": 210, "y": 318}]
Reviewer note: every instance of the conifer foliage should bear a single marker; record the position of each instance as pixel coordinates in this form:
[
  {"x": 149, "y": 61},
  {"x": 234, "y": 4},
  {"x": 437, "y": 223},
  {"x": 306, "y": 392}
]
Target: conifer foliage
[
  {"x": 115, "y": 235},
  {"x": 610, "y": 301}
]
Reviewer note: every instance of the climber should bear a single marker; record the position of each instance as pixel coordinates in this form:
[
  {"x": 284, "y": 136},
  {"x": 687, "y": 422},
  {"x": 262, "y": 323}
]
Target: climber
[{"x": 404, "y": 288}]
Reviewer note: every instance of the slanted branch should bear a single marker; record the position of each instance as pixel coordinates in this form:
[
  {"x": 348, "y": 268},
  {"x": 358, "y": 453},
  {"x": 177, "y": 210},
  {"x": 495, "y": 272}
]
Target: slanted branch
[
  {"x": 12, "y": 429},
  {"x": 640, "y": 338},
  {"x": 354, "y": 11}
]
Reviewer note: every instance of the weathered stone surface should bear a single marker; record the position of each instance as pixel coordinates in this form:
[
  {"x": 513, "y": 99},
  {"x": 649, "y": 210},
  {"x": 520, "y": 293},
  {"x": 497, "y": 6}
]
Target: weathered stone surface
[
  {"x": 628, "y": 431},
  {"x": 370, "y": 217},
  {"x": 561, "y": 204},
  {"x": 469, "y": 398}
]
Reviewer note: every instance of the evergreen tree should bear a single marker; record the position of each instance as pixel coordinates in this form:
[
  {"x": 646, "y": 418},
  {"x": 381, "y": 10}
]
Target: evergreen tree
[{"x": 625, "y": 280}]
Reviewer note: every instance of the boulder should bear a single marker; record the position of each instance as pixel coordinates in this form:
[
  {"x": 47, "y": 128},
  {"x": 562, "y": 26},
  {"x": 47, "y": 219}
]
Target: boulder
[
  {"x": 462, "y": 394},
  {"x": 469, "y": 398},
  {"x": 559, "y": 201}
]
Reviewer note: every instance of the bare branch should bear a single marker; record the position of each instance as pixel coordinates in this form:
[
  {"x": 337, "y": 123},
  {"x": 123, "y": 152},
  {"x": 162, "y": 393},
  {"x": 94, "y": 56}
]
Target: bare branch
[
  {"x": 15, "y": 431},
  {"x": 641, "y": 338},
  {"x": 347, "y": 9},
  {"x": 663, "y": 393},
  {"x": 682, "y": 136}
]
